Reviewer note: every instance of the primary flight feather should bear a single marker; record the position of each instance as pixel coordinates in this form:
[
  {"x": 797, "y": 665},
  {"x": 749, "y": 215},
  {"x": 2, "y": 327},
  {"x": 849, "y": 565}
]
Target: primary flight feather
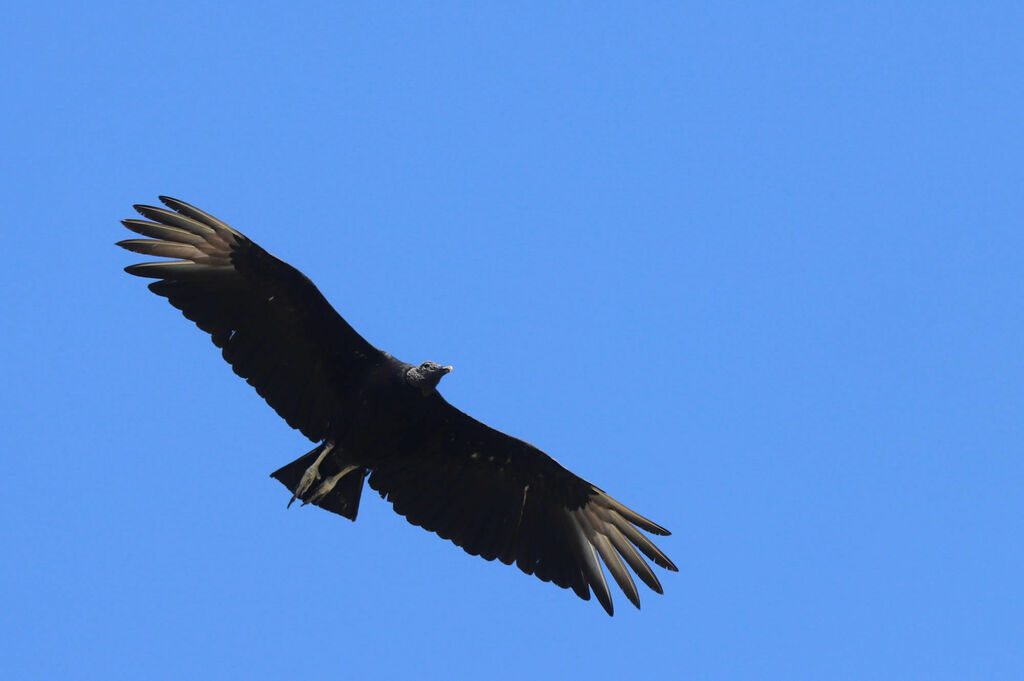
[{"x": 373, "y": 415}]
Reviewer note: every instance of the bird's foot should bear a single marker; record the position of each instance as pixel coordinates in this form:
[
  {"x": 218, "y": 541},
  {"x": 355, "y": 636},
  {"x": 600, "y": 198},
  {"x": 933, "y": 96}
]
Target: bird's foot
[
  {"x": 311, "y": 475},
  {"x": 325, "y": 487}
]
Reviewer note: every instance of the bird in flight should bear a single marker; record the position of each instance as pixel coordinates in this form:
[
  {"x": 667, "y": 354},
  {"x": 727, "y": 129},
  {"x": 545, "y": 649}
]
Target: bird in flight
[{"x": 376, "y": 418}]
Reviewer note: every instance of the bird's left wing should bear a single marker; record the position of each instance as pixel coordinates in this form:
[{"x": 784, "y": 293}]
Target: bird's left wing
[
  {"x": 499, "y": 497},
  {"x": 272, "y": 324}
]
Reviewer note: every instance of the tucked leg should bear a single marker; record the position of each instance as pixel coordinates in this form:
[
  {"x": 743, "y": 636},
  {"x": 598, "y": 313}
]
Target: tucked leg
[{"x": 311, "y": 475}]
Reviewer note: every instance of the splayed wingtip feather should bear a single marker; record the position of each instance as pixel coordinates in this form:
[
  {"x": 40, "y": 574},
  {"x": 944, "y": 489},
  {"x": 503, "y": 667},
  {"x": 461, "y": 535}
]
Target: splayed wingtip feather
[
  {"x": 611, "y": 559},
  {"x": 592, "y": 572}
]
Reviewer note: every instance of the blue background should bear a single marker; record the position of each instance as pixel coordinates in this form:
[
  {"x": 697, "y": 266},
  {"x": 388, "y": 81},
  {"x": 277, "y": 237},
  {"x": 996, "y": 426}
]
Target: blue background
[{"x": 756, "y": 271}]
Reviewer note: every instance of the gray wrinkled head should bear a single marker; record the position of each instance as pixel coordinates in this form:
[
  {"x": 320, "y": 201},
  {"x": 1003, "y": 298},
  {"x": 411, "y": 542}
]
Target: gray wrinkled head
[{"x": 426, "y": 376}]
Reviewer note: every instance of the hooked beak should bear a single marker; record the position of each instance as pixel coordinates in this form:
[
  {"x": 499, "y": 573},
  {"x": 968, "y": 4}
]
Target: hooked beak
[{"x": 448, "y": 369}]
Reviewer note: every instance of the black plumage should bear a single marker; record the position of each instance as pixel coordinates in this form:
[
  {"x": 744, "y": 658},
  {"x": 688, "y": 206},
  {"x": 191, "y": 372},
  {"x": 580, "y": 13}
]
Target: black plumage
[{"x": 372, "y": 415}]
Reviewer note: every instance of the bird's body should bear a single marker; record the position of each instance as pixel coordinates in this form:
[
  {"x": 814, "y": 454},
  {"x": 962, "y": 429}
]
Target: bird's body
[{"x": 374, "y": 415}]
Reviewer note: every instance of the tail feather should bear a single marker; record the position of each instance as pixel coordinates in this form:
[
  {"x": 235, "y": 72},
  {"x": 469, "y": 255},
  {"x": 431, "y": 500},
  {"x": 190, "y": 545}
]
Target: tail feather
[{"x": 343, "y": 499}]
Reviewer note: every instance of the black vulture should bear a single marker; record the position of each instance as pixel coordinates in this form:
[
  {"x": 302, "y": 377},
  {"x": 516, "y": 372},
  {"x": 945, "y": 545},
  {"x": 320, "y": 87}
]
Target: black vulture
[{"x": 373, "y": 415}]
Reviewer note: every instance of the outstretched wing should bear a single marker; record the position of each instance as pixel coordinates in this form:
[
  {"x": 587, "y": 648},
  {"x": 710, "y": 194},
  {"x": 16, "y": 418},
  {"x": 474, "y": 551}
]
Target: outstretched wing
[
  {"x": 272, "y": 324},
  {"x": 499, "y": 497}
]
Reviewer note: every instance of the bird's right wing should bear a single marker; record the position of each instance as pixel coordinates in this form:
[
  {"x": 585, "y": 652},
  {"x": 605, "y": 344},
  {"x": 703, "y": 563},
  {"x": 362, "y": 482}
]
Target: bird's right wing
[
  {"x": 272, "y": 324},
  {"x": 499, "y": 497}
]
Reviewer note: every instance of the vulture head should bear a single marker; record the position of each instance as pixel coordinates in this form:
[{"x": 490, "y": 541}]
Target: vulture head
[{"x": 426, "y": 376}]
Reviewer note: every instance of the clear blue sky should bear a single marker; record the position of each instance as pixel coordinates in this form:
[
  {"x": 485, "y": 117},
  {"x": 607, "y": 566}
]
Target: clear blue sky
[{"x": 755, "y": 271}]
